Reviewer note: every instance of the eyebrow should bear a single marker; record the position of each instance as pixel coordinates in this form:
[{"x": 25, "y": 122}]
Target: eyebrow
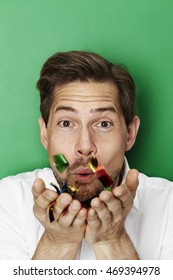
[
  {"x": 66, "y": 108},
  {"x": 103, "y": 109},
  {"x": 92, "y": 111}
]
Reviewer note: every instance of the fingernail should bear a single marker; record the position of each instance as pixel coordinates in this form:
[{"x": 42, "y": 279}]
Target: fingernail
[
  {"x": 51, "y": 195},
  {"x": 74, "y": 206},
  {"x": 119, "y": 191},
  {"x": 65, "y": 200},
  {"x": 92, "y": 212}
]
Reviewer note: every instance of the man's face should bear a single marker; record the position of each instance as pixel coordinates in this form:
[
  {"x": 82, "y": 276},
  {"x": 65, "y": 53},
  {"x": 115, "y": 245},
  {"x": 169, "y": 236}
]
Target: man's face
[{"x": 85, "y": 120}]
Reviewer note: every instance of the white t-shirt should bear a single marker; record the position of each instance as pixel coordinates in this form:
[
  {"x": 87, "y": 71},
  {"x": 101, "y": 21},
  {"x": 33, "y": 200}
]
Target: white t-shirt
[{"x": 149, "y": 223}]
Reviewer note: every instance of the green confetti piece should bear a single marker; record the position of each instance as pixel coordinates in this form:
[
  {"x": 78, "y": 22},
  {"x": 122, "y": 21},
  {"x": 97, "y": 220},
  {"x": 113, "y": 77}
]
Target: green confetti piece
[
  {"x": 107, "y": 189},
  {"x": 60, "y": 162}
]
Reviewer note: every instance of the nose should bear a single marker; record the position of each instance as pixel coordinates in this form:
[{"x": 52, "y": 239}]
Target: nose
[{"x": 85, "y": 145}]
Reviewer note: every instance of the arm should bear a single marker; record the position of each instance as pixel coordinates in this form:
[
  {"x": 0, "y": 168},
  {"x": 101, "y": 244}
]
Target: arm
[
  {"x": 13, "y": 220},
  {"x": 62, "y": 237},
  {"x": 167, "y": 243},
  {"x": 106, "y": 217}
]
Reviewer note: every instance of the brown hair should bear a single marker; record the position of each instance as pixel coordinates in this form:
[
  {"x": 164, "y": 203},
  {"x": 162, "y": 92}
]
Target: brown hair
[{"x": 66, "y": 67}]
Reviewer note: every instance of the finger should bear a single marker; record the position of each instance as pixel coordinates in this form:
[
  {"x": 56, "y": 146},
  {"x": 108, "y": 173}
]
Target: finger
[
  {"x": 124, "y": 195},
  {"x": 46, "y": 198},
  {"x": 126, "y": 192},
  {"x": 132, "y": 181},
  {"x": 80, "y": 219},
  {"x": 43, "y": 197},
  {"x": 61, "y": 204},
  {"x": 65, "y": 209},
  {"x": 92, "y": 219},
  {"x": 113, "y": 204},
  {"x": 70, "y": 215},
  {"x": 101, "y": 209},
  {"x": 38, "y": 187},
  {"x": 59, "y": 207}
]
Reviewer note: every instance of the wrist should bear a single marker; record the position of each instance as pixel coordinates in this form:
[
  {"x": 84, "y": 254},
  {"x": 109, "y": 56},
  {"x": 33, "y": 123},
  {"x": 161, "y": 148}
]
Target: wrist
[
  {"x": 58, "y": 242},
  {"x": 52, "y": 249},
  {"x": 116, "y": 248}
]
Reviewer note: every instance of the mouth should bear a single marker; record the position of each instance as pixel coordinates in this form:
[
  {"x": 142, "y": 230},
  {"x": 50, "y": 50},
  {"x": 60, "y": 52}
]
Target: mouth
[
  {"x": 84, "y": 178},
  {"x": 82, "y": 184},
  {"x": 84, "y": 174}
]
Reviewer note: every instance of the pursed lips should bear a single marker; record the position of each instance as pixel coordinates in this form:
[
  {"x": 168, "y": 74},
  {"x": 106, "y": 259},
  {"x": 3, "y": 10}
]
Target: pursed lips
[{"x": 83, "y": 174}]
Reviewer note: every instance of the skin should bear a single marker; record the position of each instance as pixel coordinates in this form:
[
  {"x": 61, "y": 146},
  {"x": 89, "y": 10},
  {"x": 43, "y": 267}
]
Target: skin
[{"x": 85, "y": 116}]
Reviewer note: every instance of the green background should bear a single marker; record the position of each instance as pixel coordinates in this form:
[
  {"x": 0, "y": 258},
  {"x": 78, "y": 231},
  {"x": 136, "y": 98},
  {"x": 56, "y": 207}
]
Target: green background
[{"x": 136, "y": 33}]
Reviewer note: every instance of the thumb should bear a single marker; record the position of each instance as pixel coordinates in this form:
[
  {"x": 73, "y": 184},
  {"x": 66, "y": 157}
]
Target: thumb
[
  {"x": 132, "y": 181},
  {"x": 38, "y": 187}
]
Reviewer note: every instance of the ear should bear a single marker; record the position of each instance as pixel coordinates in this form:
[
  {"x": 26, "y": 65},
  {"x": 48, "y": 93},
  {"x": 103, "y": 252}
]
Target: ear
[
  {"x": 132, "y": 131},
  {"x": 43, "y": 132}
]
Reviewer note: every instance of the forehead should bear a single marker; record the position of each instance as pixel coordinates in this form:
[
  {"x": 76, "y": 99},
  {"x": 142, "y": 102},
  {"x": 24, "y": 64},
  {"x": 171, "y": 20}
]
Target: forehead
[{"x": 86, "y": 92}]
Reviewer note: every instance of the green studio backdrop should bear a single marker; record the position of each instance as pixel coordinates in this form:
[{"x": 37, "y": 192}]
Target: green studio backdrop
[{"x": 136, "y": 33}]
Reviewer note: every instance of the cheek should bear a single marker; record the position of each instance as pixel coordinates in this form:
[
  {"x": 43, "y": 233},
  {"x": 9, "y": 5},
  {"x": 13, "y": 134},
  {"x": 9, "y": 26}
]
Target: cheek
[
  {"x": 111, "y": 153},
  {"x": 60, "y": 145}
]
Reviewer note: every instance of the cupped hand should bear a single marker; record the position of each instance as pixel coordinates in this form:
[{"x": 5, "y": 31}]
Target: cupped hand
[
  {"x": 69, "y": 217},
  {"x": 106, "y": 217}
]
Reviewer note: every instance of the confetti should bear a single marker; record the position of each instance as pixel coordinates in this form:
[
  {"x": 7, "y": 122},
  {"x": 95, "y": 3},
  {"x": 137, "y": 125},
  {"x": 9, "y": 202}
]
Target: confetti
[{"x": 60, "y": 162}]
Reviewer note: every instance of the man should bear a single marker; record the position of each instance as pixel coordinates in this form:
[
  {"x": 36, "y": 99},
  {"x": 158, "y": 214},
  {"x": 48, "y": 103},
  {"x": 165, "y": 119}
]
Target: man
[{"x": 87, "y": 111}]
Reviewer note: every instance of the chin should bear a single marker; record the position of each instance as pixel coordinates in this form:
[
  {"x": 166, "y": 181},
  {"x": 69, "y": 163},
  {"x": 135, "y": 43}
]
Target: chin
[{"x": 84, "y": 193}]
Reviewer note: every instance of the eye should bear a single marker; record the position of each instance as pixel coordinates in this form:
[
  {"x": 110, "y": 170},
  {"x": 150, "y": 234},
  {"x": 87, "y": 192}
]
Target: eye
[
  {"x": 105, "y": 124},
  {"x": 65, "y": 123}
]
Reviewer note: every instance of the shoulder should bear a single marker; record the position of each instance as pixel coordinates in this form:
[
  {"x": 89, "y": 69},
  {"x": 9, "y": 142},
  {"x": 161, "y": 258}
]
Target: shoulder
[
  {"x": 151, "y": 184},
  {"x": 24, "y": 180},
  {"x": 155, "y": 183},
  {"x": 16, "y": 191},
  {"x": 154, "y": 192}
]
